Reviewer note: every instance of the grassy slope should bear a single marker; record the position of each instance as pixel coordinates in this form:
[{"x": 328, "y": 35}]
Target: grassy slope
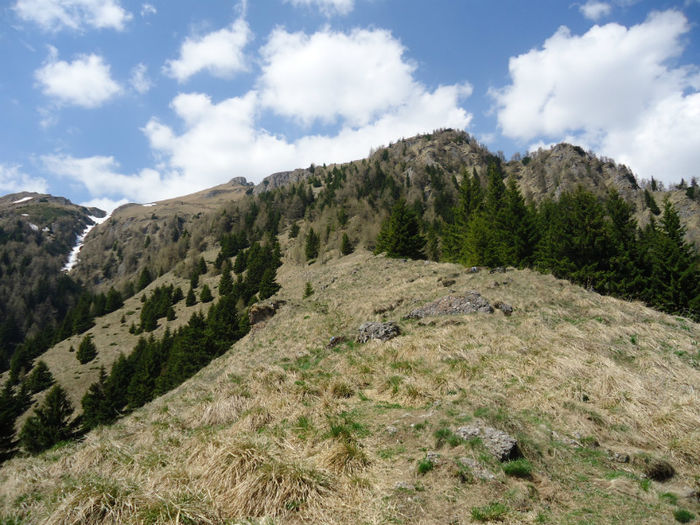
[{"x": 281, "y": 426}]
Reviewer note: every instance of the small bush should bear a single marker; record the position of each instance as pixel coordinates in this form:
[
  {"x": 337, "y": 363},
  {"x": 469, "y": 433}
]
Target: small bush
[
  {"x": 442, "y": 435},
  {"x": 669, "y": 497},
  {"x": 518, "y": 468},
  {"x": 425, "y": 466},
  {"x": 683, "y": 516},
  {"x": 308, "y": 290},
  {"x": 491, "y": 512}
]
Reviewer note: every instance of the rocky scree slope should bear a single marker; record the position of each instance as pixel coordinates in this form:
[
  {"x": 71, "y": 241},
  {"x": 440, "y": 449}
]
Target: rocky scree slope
[{"x": 599, "y": 395}]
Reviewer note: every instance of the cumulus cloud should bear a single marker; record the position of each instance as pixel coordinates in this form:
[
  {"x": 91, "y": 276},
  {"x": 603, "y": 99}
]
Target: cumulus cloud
[
  {"x": 139, "y": 79},
  {"x": 220, "y": 53},
  {"x": 594, "y": 9},
  {"x": 148, "y": 9},
  {"x": 329, "y": 75},
  {"x": 614, "y": 90},
  {"x": 13, "y": 180},
  {"x": 105, "y": 204},
  {"x": 54, "y": 15},
  {"x": 84, "y": 82},
  {"x": 101, "y": 176},
  {"x": 327, "y": 7}
]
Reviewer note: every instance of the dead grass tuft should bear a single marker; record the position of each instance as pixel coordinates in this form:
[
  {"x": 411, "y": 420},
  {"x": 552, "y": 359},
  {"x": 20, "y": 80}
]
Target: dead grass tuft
[{"x": 345, "y": 456}]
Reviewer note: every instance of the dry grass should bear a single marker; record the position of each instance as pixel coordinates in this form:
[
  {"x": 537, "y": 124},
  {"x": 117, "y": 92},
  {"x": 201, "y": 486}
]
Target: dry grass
[{"x": 283, "y": 428}]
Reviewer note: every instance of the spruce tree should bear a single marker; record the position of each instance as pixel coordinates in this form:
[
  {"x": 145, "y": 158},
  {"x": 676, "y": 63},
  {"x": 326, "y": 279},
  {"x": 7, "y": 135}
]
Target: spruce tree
[
  {"x": 313, "y": 243},
  {"x": 191, "y": 299},
  {"x": 226, "y": 281},
  {"x": 144, "y": 280},
  {"x": 205, "y": 296},
  {"x": 400, "y": 234},
  {"x": 96, "y": 406},
  {"x": 8, "y": 416},
  {"x": 40, "y": 378},
  {"x": 268, "y": 285},
  {"x": 49, "y": 424},
  {"x": 346, "y": 247},
  {"x": 87, "y": 350}
]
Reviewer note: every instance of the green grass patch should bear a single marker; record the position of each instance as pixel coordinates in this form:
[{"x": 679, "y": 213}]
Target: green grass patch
[
  {"x": 669, "y": 497},
  {"x": 425, "y": 466},
  {"x": 518, "y": 468},
  {"x": 492, "y": 512}
]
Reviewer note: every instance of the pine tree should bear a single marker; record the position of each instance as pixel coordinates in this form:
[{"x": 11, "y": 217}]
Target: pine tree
[
  {"x": 144, "y": 279},
  {"x": 191, "y": 299},
  {"x": 40, "y": 378},
  {"x": 400, "y": 234},
  {"x": 313, "y": 243},
  {"x": 87, "y": 350},
  {"x": 205, "y": 296},
  {"x": 346, "y": 247},
  {"x": 268, "y": 285},
  {"x": 650, "y": 202},
  {"x": 241, "y": 262},
  {"x": 49, "y": 424},
  {"x": 226, "y": 281},
  {"x": 8, "y": 416},
  {"x": 114, "y": 300},
  {"x": 624, "y": 278},
  {"x": 293, "y": 231},
  {"x": 96, "y": 406},
  {"x": 202, "y": 266},
  {"x": 470, "y": 201}
]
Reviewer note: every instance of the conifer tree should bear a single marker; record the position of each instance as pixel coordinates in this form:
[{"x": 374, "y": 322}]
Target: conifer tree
[
  {"x": 96, "y": 406},
  {"x": 191, "y": 299},
  {"x": 87, "y": 350},
  {"x": 226, "y": 281},
  {"x": 469, "y": 202},
  {"x": 624, "y": 278},
  {"x": 241, "y": 262},
  {"x": 400, "y": 234},
  {"x": 313, "y": 243},
  {"x": 144, "y": 279},
  {"x": 8, "y": 416},
  {"x": 114, "y": 300},
  {"x": 40, "y": 378},
  {"x": 205, "y": 296},
  {"x": 346, "y": 247},
  {"x": 268, "y": 285},
  {"x": 49, "y": 424},
  {"x": 202, "y": 266}
]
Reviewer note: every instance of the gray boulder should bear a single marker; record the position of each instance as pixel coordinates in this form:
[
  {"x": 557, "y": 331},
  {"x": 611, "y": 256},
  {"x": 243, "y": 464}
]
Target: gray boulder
[
  {"x": 453, "y": 305},
  {"x": 380, "y": 331},
  {"x": 502, "y": 445}
]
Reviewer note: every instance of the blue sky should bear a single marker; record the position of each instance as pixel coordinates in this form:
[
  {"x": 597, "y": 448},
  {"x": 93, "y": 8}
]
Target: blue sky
[{"x": 109, "y": 101}]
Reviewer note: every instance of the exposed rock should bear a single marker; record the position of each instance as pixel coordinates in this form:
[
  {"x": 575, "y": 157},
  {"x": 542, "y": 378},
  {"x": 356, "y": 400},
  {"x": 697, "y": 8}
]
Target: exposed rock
[
  {"x": 404, "y": 485},
  {"x": 241, "y": 181},
  {"x": 336, "y": 340},
  {"x": 391, "y": 430},
  {"x": 473, "y": 269},
  {"x": 263, "y": 311},
  {"x": 618, "y": 457},
  {"x": 453, "y": 305},
  {"x": 503, "y": 307},
  {"x": 500, "y": 444},
  {"x": 566, "y": 440},
  {"x": 477, "y": 469},
  {"x": 499, "y": 269},
  {"x": 374, "y": 330},
  {"x": 433, "y": 457}
]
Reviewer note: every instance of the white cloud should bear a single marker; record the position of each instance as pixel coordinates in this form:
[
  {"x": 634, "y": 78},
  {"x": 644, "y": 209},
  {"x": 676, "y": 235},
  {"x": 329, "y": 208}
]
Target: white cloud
[
  {"x": 331, "y": 75},
  {"x": 611, "y": 89},
  {"x": 220, "y": 53},
  {"x": 221, "y": 141},
  {"x": 13, "y": 180},
  {"x": 327, "y": 7},
  {"x": 84, "y": 82},
  {"x": 53, "y": 15},
  {"x": 148, "y": 9},
  {"x": 139, "y": 79},
  {"x": 594, "y": 9}
]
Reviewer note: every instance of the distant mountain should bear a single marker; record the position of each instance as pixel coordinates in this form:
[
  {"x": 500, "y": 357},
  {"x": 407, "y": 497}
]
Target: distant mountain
[{"x": 37, "y": 232}]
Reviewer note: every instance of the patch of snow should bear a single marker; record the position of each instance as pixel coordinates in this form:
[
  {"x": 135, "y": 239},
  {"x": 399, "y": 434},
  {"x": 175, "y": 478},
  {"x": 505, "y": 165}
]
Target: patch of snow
[
  {"x": 34, "y": 227},
  {"x": 46, "y": 229},
  {"x": 25, "y": 215},
  {"x": 73, "y": 256},
  {"x": 23, "y": 199},
  {"x": 149, "y": 204}
]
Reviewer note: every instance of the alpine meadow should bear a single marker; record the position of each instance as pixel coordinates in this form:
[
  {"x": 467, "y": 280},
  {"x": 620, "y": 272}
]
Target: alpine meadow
[{"x": 311, "y": 287}]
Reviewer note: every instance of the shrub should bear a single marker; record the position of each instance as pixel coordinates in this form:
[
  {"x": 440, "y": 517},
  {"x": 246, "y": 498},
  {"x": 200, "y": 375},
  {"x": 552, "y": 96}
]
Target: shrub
[
  {"x": 308, "y": 290},
  {"x": 683, "y": 516},
  {"x": 425, "y": 466}
]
